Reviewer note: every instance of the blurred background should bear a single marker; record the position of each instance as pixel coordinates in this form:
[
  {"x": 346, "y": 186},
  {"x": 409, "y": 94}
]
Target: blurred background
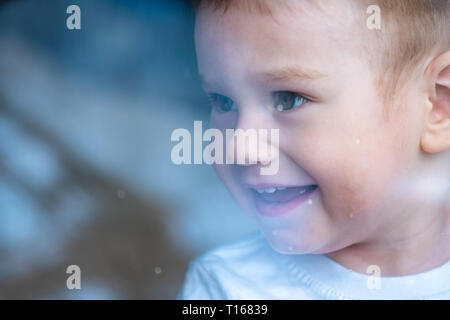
[{"x": 85, "y": 171}]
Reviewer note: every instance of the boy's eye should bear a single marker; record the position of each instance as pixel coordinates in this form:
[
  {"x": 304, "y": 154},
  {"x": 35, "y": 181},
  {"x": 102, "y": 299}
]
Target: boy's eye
[
  {"x": 221, "y": 103},
  {"x": 286, "y": 100}
]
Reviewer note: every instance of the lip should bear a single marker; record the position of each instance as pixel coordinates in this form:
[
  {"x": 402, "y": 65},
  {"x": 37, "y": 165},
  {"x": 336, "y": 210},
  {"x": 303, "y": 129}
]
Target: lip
[
  {"x": 268, "y": 209},
  {"x": 270, "y": 185}
]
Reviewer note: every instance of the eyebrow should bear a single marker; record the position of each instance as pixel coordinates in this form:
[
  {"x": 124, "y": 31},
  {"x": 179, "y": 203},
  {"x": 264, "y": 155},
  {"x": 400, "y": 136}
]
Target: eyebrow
[
  {"x": 291, "y": 72},
  {"x": 281, "y": 74}
]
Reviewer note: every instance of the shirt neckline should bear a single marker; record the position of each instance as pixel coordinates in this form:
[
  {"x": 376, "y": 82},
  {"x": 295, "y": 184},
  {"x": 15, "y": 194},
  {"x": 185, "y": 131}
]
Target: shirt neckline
[
  {"x": 332, "y": 280},
  {"x": 346, "y": 283}
]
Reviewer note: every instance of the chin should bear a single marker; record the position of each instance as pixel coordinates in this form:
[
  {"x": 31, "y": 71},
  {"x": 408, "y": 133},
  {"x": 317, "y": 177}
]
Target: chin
[{"x": 282, "y": 244}]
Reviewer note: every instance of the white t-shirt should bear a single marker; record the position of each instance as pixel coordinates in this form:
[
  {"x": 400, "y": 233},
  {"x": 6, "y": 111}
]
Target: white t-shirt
[{"x": 250, "y": 269}]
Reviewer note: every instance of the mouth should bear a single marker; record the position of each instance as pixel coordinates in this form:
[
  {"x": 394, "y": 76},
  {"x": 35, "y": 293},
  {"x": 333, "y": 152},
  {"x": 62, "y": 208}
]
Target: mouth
[{"x": 272, "y": 201}]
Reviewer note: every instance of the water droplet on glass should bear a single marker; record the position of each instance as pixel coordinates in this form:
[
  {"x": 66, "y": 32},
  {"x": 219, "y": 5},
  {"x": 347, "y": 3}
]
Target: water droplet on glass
[{"x": 120, "y": 194}]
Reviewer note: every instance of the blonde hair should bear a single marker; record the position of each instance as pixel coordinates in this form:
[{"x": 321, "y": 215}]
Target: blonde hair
[{"x": 410, "y": 30}]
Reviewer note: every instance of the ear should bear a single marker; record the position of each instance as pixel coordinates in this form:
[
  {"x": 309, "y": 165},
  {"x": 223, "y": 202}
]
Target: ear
[{"x": 436, "y": 135}]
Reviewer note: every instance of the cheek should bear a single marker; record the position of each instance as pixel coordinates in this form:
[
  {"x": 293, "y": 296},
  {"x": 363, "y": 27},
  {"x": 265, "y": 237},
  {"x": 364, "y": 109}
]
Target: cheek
[
  {"x": 347, "y": 184},
  {"x": 352, "y": 191},
  {"x": 353, "y": 167}
]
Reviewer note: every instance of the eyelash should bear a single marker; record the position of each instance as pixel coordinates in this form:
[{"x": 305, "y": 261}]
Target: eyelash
[
  {"x": 298, "y": 100},
  {"x": 217, "y": 101}
]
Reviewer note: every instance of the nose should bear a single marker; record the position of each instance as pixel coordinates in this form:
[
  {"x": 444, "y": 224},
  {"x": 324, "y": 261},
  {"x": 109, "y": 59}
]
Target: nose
[{"x": 250, "y": 142}]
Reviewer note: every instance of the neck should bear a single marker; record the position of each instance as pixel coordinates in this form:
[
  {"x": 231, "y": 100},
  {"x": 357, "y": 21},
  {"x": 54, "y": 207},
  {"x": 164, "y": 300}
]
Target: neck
[{"x": 421, "y": 244}]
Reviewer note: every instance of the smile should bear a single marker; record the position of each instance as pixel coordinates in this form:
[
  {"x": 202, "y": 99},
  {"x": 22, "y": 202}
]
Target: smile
[{"x": 273, "y": 201}]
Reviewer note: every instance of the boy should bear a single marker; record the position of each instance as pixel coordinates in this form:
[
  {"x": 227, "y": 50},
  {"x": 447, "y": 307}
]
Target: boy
[{"x": 359, "y": 208}]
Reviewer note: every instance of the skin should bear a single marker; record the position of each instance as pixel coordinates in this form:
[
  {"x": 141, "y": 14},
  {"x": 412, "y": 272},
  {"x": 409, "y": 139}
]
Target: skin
[{"x": 383, "y": 195}]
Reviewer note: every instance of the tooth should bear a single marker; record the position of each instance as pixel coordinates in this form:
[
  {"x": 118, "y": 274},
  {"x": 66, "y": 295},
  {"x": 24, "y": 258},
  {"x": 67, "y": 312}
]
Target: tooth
[
  {"x": 270, "y": 190},
  {"x": 260, "y": 191},
  {"x": 281, "y": 188}
]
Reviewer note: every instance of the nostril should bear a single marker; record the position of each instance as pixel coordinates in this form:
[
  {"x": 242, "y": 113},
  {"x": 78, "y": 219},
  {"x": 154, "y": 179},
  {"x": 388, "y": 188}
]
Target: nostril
[{"x": 265, "y": 162}]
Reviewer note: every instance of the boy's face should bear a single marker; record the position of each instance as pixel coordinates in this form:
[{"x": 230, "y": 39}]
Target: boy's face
[{"x": 338, "y": 139}]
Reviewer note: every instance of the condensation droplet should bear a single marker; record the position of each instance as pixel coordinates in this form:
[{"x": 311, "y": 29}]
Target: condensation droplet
[
  {"x": 120, "y": 194},
  {"x": 158, "y": 270}
]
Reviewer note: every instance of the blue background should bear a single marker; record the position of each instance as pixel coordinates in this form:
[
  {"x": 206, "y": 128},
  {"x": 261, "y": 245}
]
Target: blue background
[{"x": 85, "y": 171}]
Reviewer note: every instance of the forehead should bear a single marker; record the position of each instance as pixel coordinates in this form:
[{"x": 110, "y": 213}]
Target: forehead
[{"x": 300, "y": 33}]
